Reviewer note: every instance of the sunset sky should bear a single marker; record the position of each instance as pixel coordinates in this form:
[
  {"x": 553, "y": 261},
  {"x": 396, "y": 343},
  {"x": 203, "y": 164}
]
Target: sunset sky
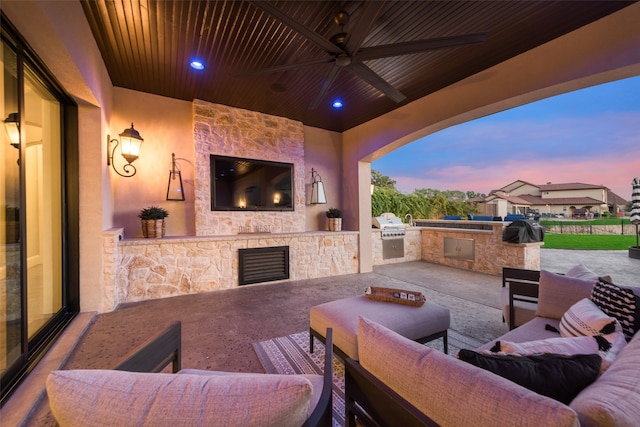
[{"x": 590, "y": 136}]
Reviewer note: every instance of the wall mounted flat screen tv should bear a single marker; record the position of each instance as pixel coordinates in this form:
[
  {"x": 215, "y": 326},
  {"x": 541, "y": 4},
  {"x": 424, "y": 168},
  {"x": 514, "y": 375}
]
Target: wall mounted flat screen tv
[{"x": 239, "y": 184}]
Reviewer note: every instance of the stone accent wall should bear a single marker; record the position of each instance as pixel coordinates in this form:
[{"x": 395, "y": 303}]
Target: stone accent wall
[
  {"x": 228, "y": 131},
  {"x": 158, "y": 268},
  {"x": 412, "y": 247},
  {"x": 113, "y": 290},
  {"x": 626, "y": 229},
  {"x": 491, "y": 253}
]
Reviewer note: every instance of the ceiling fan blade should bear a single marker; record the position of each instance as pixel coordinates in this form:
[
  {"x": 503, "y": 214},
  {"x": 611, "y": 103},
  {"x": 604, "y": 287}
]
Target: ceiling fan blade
[
  {"x": 285, "y": 67},
  {"x": 404, "y": 48},
  {"x": 366, "y": 18},
  {"x": 326, "y": 84},
  {"x": 297, "y": 26},
  {"x": 376, "y": 81}
]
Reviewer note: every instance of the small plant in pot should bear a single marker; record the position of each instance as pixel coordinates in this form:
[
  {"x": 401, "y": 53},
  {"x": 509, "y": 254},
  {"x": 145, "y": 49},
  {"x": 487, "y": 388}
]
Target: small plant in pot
[
  {"x": 335, "y": 219},
  {"x": 153, "y": 221}
]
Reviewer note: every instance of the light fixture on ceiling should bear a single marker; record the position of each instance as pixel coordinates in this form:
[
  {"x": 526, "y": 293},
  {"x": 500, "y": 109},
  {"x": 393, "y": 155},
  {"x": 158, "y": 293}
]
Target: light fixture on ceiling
[
  {"x": 337, "y": 104},
  {"x": 197, "y": 64},
  {"x": 130, "y": 143},
  {"x": 12, "y": 127},
  {"x": 175, "y": 191},
  {"x": 317, "y": 189}
]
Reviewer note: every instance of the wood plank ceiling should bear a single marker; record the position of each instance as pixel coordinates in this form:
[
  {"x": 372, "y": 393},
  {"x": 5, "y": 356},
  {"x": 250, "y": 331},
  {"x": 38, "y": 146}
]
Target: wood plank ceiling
[{"x": 147, "y": 46}]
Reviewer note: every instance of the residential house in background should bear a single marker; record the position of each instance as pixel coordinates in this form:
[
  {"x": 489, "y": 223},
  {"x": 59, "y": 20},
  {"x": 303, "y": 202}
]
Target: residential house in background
[{"x": 549, "y": 199}]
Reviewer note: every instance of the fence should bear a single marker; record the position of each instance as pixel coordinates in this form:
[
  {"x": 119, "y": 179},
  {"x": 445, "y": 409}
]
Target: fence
[{"x": 573, "y": 228}]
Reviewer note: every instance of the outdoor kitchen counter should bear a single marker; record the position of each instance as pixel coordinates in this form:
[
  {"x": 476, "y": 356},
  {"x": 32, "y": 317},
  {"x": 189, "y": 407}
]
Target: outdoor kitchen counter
[{"x": 475, "y": 245}]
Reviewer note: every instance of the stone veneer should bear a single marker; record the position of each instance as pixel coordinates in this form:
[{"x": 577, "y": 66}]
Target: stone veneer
[
  {"x": 144, "y": 269},
  {"x": 228, "y": 131},
  {"x": 412, "y": 247},
  {"x": 491, "y": 253}
]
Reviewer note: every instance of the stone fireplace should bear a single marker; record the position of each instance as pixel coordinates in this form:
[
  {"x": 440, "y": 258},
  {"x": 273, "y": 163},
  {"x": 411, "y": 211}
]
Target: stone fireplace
[{"x": 233, "y": 132}]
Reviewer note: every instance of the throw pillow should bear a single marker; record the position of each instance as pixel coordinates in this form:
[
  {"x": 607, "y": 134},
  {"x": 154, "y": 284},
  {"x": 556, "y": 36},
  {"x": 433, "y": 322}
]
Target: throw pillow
[
  {"x": 559, "y": 345},
  {"x": 582, "y": 272},
  {"x": 619, "y": 302},
  {"x": 557, "y": 293},
  {"x": 567, "y": 346},
  {"x": 107, "y": 398},
  {"x": 585, "y": 318},
  {"x": 556, "y": 376}
]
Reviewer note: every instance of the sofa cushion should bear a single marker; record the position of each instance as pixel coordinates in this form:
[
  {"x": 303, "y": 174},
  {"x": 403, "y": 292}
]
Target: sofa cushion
[
  {"x": 614, "y": 399},
  {"x": 558, "y": 376},
  {"x": 585, "y": 318},
  {"x": 107, "y": 398},
  {"x": 317, "y": 382},
  {"x": 431, "y": 381},
  {"x": 619, "y": 302},
  {"x": 557, "y": 293}
]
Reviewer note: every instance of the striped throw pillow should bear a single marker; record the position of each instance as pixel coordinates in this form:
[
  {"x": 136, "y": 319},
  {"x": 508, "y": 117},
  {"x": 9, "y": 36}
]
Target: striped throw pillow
[{"x": 620, "y": 303}]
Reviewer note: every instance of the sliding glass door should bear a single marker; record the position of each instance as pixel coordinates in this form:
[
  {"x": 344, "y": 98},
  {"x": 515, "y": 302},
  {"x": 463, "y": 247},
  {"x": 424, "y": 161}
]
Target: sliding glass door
[{"x": 34, "y": 285}]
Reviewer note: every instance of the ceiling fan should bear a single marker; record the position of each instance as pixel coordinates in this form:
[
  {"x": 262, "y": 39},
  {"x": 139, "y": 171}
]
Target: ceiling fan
[{"x": 346, "y": 53}]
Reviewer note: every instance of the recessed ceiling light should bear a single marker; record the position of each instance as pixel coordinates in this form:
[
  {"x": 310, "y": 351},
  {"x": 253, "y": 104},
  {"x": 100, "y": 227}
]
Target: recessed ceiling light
[
  {"x": 337, "y": 104},
  {"x": 196, "y": 64}
]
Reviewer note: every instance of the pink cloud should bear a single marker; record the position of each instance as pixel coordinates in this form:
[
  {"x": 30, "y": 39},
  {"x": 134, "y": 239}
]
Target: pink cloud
[{"x": 614, "y": 173}]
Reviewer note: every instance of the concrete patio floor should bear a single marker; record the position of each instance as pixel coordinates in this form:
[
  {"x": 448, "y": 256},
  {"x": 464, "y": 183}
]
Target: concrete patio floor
[{"x": 219, "y": 327}]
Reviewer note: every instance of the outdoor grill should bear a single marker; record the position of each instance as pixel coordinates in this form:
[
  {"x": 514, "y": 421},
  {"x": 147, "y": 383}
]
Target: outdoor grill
[{"x": 392, "y": 232}]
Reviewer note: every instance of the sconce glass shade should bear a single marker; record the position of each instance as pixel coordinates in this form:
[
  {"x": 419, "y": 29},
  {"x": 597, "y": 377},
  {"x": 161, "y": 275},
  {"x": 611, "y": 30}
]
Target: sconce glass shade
[
  {"x": 12, "y": 127},
  {"x": 318, "y": 195},
  {"x": 131, "y": 142},
  {"x": 175, "y": 191}
]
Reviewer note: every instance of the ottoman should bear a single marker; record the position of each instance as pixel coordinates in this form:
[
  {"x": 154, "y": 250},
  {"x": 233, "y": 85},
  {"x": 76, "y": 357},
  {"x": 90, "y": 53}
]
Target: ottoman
[{"x": 421, "y": 324}]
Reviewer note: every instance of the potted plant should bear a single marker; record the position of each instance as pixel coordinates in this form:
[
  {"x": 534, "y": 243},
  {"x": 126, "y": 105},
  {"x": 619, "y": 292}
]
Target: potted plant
[
  {"x": 153, "y": 221},
  {"x": 335, "y": 219}
]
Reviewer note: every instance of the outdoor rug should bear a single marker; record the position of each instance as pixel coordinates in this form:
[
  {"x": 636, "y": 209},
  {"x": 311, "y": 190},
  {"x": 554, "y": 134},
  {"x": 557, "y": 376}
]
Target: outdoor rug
[{"x": 290, "y": 355}]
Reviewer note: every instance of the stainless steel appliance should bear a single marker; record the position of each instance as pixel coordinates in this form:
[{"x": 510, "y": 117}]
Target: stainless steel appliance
[{"x": 392, "y": 232}]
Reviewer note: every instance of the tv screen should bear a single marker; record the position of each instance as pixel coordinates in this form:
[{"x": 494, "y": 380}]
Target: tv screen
[{"x": 245, "y": 184}]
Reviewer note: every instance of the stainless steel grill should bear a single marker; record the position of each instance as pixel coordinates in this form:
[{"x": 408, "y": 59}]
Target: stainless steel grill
[
  {"x": 390, "y": 226},
  {"x": 392, "y": 232}
]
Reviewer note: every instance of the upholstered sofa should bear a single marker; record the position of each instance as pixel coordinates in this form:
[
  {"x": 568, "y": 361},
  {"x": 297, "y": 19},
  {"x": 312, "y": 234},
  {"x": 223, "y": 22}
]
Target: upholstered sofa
[{"x": 399, "y": 382}]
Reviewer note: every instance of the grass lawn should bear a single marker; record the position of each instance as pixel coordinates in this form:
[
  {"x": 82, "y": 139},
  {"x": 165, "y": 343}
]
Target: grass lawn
[{"x": 588, "y": 241}]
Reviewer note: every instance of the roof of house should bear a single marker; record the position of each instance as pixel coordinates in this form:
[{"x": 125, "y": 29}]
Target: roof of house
[
  {"x": 614, "y": 199},
  {"x": 568, "y": 186},
  {"x": 584, "y": 201}
]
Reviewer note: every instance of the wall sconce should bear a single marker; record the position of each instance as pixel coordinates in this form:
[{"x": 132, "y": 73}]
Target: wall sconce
[
  {"x": 12, "y": 127},
  {"x": 130, "y": 141},
  {"x": 317, "y": 189},
  {"x": 175, "y": 191}
]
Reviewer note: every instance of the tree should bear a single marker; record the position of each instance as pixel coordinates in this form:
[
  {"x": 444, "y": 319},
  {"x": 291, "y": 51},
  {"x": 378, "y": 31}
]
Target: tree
[
  {"x": 382, "y": 181},
  {"x": 473, "y": 194}
]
